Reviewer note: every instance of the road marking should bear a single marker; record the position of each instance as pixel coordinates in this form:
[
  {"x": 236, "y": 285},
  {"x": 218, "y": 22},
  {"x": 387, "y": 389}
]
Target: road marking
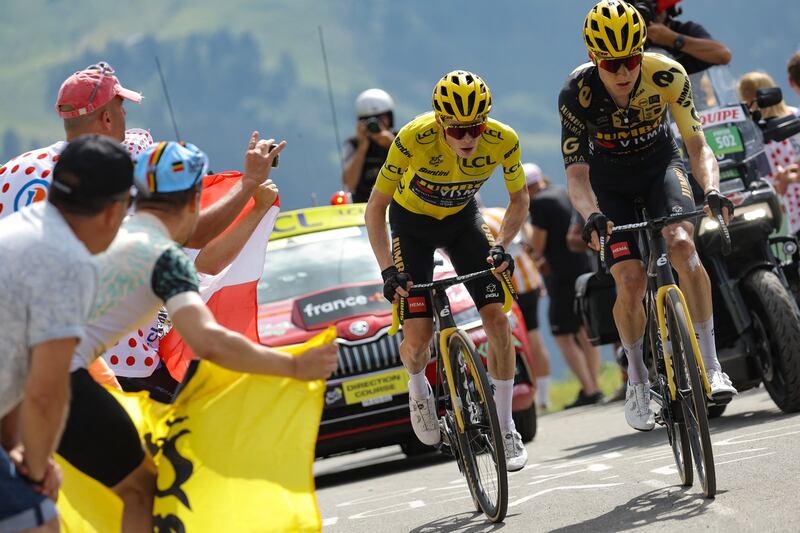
[
  {"x": 609, "y": 477},
  {"x": 382, "y": 496},
  {"x": 744, "y": 458},
  {"x": 670, "y": 470},
  {"x": 655, "y": 483},
  {"x": 564, "y": 487},
  {"x": 744, "y": 438},
  {"x": 389, "y": 509},
  {"x": 330, "y": 521}
]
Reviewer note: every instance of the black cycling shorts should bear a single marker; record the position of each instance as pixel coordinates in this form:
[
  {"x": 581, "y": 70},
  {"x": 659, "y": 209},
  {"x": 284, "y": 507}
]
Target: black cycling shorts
[
  {"x": 561, "y": 312},
  {"x": 465, "y": 238},
  {"x": 663, "y": 186},
  {"x": 529, "y": 305},
  {"x": 99, "y": 439}
]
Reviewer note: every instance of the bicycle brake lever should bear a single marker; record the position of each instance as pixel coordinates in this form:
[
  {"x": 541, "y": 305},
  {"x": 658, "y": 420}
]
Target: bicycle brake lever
[{"x": 395, "y": 318}]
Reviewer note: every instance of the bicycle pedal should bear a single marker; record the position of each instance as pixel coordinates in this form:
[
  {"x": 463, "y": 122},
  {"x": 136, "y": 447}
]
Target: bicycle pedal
[{"x": 659, "y": 419}]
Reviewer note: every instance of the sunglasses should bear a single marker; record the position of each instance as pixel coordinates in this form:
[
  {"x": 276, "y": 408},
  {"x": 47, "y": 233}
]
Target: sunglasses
[
  {"x": 458, "y": 132},
  {"x": 104, "y": 69},
  {"x": 613, "y": 65}
]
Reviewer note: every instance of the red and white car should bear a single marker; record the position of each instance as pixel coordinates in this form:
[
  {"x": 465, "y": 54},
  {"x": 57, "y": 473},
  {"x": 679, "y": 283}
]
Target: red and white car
[{"x": 320, "y": 271}]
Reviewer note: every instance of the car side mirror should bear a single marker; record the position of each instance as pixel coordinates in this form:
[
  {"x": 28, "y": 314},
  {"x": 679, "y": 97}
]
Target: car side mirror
[{"x": 768, "y": 97}]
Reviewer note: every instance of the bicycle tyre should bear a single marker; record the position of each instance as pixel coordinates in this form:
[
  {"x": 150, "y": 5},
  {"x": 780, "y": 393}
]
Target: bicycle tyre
[
  {"x": 694, "y": 405},
  {"x": 676, "y": 429},
  {"x": 491, "y": 495}
]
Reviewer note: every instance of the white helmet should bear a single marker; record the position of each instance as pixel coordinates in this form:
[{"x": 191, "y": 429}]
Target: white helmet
[{"x": 373, "y": 102}]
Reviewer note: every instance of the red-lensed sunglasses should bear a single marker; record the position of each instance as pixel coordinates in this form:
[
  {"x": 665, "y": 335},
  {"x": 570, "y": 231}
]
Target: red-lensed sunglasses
[
  {"x": 458, "y": 132},
  {"x": 613, "y": 65}
]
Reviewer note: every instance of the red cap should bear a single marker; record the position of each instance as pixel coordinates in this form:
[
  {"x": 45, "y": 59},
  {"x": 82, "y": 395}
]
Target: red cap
[{"x": 89, "y": 90}]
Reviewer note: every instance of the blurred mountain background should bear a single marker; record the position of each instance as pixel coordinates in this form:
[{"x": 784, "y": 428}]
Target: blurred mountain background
[{"x": 236, "y": 66}]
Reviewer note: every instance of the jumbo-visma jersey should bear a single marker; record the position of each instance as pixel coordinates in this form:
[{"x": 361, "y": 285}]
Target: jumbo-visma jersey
[
  {"x": 425, "y": 176},
  {"x": 592, "y": 125}
]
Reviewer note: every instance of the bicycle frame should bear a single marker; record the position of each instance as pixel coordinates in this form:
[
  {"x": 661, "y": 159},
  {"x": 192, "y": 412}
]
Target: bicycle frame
[
  {"x": 446, "y": 325},
  {"x": 661, "y": 281}
]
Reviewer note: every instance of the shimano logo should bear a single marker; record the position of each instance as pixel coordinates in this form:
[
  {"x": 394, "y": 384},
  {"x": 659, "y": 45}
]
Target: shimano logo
[{"x": 335, "y": 305}]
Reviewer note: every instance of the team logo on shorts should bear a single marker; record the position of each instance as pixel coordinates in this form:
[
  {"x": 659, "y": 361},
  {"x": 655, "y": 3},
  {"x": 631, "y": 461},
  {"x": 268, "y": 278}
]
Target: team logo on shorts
[
  {"x": 417, "y": 304},
  {"x": 620, "y": 249}
]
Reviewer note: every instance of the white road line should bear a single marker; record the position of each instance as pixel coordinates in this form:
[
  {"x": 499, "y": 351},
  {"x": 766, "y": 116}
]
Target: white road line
[
  {"x": 609, "y": 477},
  {"x": 566, "y": 487},
  {"x": 389, "y": 509},
  {"x": 746, "y": 437},
  {"x": 744, "y": 458},
  {"x": 655, "y": 483},
  {"x": 381, "y": 496},
  {"x": 329, "y": 521}
]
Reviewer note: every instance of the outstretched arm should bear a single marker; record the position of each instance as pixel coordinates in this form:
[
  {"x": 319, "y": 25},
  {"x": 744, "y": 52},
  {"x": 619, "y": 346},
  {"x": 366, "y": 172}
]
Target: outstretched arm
[
  {"x": 257, "y": 165},
  {"x": 221, "y": 251}
]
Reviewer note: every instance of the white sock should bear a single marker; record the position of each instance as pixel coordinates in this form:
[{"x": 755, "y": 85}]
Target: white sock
[
  {"x": 543, "y": 390},
  {"x": 705, "y": 339},
  {"x": 637, "y": 370},
  {"x": 503, "y": 392},
  {"x": 418, "y": 387}
]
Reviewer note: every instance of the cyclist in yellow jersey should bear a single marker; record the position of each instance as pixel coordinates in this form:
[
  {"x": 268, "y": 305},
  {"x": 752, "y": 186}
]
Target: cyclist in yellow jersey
[
  {"x": 435, "y": 167},
  {"x": 617, "y": 147}
]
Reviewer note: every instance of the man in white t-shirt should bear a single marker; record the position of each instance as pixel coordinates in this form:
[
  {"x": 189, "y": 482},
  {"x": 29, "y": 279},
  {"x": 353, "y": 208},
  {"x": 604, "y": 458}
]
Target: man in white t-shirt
[{"x": 47, "y": 286}]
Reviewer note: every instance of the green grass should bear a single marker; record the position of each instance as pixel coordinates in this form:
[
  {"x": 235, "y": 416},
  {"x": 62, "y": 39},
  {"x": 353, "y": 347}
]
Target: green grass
[{"x": 565, "y": 392}]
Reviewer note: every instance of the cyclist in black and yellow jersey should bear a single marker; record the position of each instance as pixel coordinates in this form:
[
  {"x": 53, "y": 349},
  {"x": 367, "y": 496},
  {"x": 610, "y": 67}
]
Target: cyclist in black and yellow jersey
[
  {"x": 618, "y": 146},
  {"x": 435, "y": 167}
]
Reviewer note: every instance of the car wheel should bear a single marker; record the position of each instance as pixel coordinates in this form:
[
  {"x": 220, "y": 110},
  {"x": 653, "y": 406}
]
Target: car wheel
[
  {"x": 414, "y": 448},
  {"x": 525, "y": 421}
]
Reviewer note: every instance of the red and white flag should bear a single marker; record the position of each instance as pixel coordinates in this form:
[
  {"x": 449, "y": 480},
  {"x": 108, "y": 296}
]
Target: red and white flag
[{"x": 231, "y": 295}]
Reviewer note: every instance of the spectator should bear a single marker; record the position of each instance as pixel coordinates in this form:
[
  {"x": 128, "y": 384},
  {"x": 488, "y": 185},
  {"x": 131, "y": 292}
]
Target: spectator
[
  {"x": 551, "y": 213},
  {"x": 92, "y": 101},
  {"x": 793, "y": 68},
  {"x": 366, "y": 151},
  {"x": 689, "y": 43},
  {"x": 528, "y": 284},
  {"x": 783, "y": 155},
  {"x": 47, "y": 286},
  {"x": 143, "y": 270}
]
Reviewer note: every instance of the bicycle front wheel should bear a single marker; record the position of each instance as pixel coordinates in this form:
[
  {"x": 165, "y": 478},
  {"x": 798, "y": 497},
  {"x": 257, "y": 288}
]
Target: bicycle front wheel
[
  {"x": 481, "y": 442},
  {"x": 691, "y": 394}
]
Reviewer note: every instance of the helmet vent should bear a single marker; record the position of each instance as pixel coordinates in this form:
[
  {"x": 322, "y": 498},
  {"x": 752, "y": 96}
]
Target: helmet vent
[
  {"x": 459, "y": 103},
  {"x": 612, "y": 39}
]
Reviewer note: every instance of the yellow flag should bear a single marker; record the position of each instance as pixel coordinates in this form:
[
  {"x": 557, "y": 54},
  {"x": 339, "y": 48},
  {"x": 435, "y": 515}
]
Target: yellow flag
[{"x": 234, "y": 452}]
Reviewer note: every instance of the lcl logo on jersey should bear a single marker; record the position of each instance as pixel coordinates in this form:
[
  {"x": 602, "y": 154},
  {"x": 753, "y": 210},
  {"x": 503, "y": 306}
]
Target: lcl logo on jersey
[
  {"x": 479, "y": 162},
  {"x": 33, "y": 191}
]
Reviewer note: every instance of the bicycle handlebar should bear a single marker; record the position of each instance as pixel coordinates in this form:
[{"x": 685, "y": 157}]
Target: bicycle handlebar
[
  {"x": 448, "y": 282},
  {"x": 661, "y": 222}
]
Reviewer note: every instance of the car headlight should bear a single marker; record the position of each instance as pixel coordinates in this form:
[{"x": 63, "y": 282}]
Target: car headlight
[{"x": 746, "y": 213}]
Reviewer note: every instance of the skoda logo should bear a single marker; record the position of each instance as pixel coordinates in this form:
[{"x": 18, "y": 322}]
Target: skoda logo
[{"x": 359, "y": 328}]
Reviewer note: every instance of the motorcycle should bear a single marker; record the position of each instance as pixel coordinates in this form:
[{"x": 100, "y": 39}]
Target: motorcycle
[{"x": 756, "y": 318}]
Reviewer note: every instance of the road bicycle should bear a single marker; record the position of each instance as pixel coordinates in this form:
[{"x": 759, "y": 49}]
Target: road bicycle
[
  {"x": 681, "y": 384},
  {"x": 468, "y": 417}
]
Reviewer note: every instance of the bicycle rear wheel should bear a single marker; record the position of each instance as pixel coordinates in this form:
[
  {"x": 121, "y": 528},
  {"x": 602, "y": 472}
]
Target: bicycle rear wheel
[
  {"x": 691, "y": 394},
  {"x": 481, "y": 443},
  {"x": 673, "y": 421}
]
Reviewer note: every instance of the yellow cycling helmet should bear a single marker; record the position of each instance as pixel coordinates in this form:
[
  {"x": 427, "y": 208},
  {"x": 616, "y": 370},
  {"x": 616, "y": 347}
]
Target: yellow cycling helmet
[
  {"x": 462, "y": 96},
  {"x": 614, "y": 29}
]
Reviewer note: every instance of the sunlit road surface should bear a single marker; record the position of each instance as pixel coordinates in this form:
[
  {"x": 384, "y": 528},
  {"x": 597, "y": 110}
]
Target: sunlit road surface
[{"x": 587, "y": 471}]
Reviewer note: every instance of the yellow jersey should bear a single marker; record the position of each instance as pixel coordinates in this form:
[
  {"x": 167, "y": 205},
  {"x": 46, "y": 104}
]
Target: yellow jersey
[{"x": 425, "y": 176}]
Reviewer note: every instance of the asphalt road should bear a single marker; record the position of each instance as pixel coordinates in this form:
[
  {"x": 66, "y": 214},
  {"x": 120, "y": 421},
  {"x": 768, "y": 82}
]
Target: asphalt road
[{"x": 587, "y": 471}]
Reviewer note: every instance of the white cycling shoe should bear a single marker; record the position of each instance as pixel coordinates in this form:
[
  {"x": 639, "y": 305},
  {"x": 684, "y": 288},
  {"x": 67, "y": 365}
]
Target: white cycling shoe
[
  {"x": 638, "y": 414},
  {"x": 425, "y": 420},
  {"x": 516, "y": 454},
  {"x": 722, "y": 388}
]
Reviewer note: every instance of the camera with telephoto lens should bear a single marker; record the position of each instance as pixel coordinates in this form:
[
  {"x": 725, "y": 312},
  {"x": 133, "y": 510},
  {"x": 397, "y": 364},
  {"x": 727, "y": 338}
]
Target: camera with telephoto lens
[
  {"x": 647, "y": 10},
  {"x": 373, "y": 124}
]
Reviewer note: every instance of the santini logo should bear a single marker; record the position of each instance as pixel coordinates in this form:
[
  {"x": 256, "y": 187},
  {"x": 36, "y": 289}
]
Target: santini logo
[{"x": 335, "y": 305}]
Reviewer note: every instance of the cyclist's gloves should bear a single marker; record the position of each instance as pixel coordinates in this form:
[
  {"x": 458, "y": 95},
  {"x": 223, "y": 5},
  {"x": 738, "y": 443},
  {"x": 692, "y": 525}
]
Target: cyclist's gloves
[
  {"x": 715, "y": 200},
  {"x": 596, "y": 222},
  {"x": 499, "y": 255},
  {"x": 392, "y": 279}
]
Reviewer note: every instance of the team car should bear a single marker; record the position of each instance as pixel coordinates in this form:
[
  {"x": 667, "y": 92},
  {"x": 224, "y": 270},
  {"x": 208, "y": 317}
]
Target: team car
[{"x": 320, "y": 271}]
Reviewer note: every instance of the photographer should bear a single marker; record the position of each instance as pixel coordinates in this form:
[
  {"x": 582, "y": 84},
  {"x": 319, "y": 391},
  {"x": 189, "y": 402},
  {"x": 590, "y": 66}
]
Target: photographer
[
  {"x": 366, "y": 152},
  {"x": 688, "y": 42}
]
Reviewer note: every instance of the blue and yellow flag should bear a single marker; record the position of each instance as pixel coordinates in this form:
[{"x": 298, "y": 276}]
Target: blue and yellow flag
[{"x": 234, "y": 452}]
